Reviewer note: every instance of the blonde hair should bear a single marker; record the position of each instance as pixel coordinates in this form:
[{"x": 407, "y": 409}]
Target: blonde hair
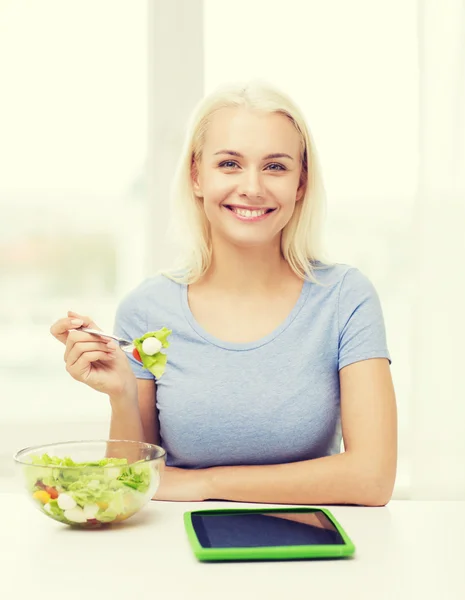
[{"x": 301, "y": 240}]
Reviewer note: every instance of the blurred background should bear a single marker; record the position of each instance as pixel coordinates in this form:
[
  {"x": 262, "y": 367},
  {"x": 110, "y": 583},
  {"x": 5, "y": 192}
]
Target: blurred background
[{"x": 94, "y": 101}]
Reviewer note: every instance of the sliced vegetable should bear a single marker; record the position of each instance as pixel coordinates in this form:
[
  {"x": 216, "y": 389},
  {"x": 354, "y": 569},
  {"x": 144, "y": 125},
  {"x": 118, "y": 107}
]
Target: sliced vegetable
[
  {"x": 75, "y": 515},
  {"x": 91, "y": 510},
  {"x": 52, "y": 491},
  {"x": 66, "y": 502},
  {"x": 42, "y": 496}
]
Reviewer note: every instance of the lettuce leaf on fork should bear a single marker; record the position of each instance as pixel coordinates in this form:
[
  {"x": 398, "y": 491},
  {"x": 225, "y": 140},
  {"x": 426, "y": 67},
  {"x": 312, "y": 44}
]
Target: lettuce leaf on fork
[{"x": 156, "y": 364}]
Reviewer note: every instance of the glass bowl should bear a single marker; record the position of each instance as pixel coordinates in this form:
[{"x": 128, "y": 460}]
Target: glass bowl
[{"x": 91, "y": 483}]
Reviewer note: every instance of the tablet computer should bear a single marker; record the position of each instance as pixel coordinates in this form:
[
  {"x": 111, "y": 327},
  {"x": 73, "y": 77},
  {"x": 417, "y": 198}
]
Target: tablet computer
[{"x": 302, "y": 532}]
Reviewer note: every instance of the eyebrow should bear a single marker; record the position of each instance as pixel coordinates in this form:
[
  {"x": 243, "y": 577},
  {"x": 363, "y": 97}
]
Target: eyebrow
[{"x": 268, "y": 156}]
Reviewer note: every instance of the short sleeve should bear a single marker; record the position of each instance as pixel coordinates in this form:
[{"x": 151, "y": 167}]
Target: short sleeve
[
  {"x": 362, "y": 332},
  {"x": 131, "y": 323}
]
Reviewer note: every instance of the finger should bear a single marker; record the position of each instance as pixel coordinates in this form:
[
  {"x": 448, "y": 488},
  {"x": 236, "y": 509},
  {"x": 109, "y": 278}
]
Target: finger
[
  {"x": 86, "y": 321},
  {"x": 83, "y": 363},
  {"x": 76, "y": 336},
  {"x": 60, "y": 328},
  {"x": 76, "y": 350}
]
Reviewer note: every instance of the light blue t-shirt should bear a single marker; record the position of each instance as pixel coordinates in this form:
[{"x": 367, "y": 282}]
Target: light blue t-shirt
[{"x": 272, "y": 401}]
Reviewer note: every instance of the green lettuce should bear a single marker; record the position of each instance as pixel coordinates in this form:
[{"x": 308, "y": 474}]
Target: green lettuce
[
  {"x": 110, "y": 488},
  {"x": 156, "y": 364}
]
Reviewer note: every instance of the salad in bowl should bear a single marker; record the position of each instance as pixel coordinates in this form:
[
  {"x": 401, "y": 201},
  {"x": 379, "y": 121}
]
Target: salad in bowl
[{"x": 91, "y": 483}]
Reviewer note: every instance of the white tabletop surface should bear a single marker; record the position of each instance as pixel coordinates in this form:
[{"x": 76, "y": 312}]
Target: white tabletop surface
[{"x": 408, "y": 549}]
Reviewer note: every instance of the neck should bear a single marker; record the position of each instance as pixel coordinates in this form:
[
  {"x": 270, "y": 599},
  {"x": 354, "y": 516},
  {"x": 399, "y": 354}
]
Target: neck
[{"x": 250, "y": 270}]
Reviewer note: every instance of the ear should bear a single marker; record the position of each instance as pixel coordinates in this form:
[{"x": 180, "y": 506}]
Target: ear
[
  {"x": 195, "y": 179},
  {"x": 301, "y": 190},
  {"x": 303, "y": 179}
]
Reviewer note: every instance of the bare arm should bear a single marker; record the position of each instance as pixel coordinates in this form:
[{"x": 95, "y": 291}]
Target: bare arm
[
  {"x": 364, "y": 474},
  {"x": 134, "y": 415}
]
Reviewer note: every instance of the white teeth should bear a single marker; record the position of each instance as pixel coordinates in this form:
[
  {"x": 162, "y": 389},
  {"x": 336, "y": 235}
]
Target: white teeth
[{"x": 243, "y": 212}]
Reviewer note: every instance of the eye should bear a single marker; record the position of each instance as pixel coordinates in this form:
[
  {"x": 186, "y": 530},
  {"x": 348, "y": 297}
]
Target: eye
[
  {"x": 276, "y": 167},
  {"x": 228, "y": 164}
]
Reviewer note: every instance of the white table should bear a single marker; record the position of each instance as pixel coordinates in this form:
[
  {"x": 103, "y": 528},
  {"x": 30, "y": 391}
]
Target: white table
[{"x": 413, "y": 550}]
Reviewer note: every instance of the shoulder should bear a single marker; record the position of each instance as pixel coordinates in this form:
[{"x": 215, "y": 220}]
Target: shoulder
[
  {"x": 153, "y": 304},
  {"x": 348, "y": 285},
  {"x": 355, "y": 296},
  {"x": 339, "y": 275},
  {"x": 157, "y": 292},
  {"x": 151, "y": 288}
]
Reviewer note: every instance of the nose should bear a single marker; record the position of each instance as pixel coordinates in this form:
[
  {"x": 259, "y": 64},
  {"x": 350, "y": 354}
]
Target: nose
[{"x": 250, "y": 184}]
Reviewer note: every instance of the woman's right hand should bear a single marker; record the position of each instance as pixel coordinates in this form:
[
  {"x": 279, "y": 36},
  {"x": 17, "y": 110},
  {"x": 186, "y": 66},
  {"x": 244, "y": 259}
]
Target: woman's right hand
[{"x": 99, "y": 364}]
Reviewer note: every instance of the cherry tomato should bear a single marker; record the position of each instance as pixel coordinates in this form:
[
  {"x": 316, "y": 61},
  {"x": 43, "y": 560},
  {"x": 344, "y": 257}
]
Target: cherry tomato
[
  {"x": 52, "y": 491},
  {"x": 136, "y": 354}
]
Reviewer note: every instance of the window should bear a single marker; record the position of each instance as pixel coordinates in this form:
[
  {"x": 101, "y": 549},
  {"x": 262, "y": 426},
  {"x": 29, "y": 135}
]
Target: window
[{"x": 72, "y": 193}]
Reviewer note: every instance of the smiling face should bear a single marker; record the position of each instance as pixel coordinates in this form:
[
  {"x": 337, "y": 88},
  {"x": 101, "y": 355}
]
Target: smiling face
[{"x": 248, "y": 176}]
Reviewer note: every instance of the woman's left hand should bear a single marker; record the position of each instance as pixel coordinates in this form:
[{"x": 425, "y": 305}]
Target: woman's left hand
[{"x": 183, "y": 485}]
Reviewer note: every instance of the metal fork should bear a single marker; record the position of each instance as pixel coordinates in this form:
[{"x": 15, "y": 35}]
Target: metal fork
[{"x": 125, "y": 345}]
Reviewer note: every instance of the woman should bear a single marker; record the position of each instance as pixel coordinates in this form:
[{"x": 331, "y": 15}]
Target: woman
[{"x": 274, "y": 352}]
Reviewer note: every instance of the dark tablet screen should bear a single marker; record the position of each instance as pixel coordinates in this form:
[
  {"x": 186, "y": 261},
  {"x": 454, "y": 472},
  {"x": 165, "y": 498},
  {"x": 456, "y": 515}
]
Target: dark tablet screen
[{"x": 252, "y": 530}]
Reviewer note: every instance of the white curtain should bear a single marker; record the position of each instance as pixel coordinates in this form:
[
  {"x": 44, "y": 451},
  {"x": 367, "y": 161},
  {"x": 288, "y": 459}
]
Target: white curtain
[{"x": 437, "y": 416}]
